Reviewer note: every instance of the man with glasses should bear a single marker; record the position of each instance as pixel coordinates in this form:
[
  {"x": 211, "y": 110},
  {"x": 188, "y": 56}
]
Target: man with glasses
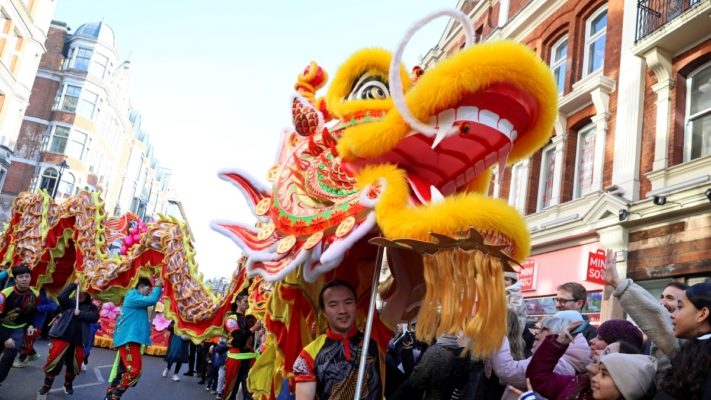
[{"x": 573, "y": 296}]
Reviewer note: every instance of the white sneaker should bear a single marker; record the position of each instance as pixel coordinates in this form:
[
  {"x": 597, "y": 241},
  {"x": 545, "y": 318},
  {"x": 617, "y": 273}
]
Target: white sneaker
[
  {"x": 165, "y": 372},
  {"x": 83, "y": 367},
  {"x": 176, "y": 378}
]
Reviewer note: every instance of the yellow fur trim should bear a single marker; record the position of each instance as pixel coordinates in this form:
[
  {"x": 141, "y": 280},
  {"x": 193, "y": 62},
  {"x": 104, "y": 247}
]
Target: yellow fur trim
[
  {"x": 398, "y": 219},
  {"x": 445, "y": 85},
  {"x": 374, "y": 60}
]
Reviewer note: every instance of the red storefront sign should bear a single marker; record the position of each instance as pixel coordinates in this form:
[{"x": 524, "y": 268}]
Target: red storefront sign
[
  {"x": 528, "y": 275},
  {"x": 596, "y": 267}
]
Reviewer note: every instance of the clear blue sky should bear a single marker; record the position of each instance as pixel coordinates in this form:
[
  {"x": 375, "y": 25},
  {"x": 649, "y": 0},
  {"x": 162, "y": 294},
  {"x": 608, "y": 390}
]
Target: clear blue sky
[{"x": 213, "y": 82}]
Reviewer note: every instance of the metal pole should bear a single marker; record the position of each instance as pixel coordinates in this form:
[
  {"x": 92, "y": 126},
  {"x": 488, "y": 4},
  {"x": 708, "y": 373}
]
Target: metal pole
[
  {"x": 77, "y": 294},
  {"x": 369, "y": 323}
]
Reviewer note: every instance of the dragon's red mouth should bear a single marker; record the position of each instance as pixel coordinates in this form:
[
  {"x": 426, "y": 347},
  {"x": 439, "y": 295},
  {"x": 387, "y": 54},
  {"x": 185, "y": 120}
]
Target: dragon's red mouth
[{"x": 473, "y": 135}]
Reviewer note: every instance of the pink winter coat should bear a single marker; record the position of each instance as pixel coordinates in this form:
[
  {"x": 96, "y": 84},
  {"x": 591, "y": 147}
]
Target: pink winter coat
[{"x": 546, "y": 380}]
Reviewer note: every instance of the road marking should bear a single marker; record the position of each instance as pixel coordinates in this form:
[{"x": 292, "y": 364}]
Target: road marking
[
  {"x": 100, "y": 377},
  {"x": 76, "y": 386}
]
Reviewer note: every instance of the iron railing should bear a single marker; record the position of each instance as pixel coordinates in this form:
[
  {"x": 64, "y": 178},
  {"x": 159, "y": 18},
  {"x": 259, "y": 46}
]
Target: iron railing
[{"x": 653, "y": 14}]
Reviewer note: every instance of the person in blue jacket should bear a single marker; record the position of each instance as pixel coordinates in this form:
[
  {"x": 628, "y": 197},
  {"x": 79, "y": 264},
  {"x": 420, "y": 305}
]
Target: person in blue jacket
[
  {"x": 133, "y": 329},
  {"x": 27, "y": 352}
]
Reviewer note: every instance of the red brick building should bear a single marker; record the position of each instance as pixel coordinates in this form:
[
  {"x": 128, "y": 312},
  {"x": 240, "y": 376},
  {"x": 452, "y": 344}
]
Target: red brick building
[
  {"x": 80, "y": 132},
  {"x": 634, "y": 122}
]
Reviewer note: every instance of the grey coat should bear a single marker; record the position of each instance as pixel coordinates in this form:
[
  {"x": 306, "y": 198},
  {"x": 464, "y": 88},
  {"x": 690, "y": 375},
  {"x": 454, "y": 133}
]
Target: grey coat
[{"x": 653, "y": 320}]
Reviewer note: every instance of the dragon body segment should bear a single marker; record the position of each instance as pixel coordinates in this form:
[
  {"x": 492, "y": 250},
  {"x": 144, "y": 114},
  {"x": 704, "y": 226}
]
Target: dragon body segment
[{"x": 67, "y": 241}]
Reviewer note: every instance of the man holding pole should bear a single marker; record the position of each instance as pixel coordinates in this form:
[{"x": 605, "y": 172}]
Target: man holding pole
[
  {"x": 67, "y": 347},
  {"x": 328, "y": 367},
  {"x": 133, "y": 329}
]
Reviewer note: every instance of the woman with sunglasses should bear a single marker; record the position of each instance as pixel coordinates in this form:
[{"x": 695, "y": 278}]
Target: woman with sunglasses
[{"x": 689, "y": 377}]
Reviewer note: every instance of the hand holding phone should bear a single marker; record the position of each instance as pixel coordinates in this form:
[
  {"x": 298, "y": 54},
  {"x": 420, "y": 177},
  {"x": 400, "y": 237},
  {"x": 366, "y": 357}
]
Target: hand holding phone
[{"x": 566, "y": 337}]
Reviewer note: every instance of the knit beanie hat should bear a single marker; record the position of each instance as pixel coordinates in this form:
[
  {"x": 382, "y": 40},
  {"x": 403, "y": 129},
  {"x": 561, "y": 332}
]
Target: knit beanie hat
[
  {"x": 633, "y": 374},
  {"x": 511, "y": 275},
  {"x": 570, "y": 315},
  {"x": 615, "y": 330}
]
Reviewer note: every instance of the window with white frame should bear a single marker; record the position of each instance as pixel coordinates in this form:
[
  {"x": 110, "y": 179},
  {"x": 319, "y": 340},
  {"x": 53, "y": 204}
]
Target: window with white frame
[
  {"x": 78, "y": 145},
  {"x": 66, "y": 186},
  {"x": 516, "y": 195},
  {"x": 584, "y": 160},
  {"x": 559, "y": 52},
  {"x": 697, "y": 143},
  {"x": 595, "y": 36},
  {"x": 71, "y": 98},
  {"x": 87, "y": 105},
  {"x": 545, "y": 190},
  {"x": 98, "y": 65},
  {"x": 49, "y": 180},
  {"x": 82, "y": 59},
  {"x": 58, "y": 142}
]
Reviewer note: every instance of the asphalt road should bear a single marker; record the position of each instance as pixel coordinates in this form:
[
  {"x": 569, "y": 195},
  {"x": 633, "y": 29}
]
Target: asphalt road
[{"x": 23, "y": 383}]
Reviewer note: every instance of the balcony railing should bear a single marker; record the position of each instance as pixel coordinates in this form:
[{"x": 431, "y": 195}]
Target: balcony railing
[{"x": 654, "y": 14}]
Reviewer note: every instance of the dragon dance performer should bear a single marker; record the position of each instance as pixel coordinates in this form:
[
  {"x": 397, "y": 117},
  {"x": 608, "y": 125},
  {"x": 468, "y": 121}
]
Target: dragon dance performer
[
  {"x": 18, "y": 306},
  {"x": 133, "y": 329},
  {"x": 328, "y": 367},
  {"x": 68, "y": 349},
  {"x": 241, "y": 355},
  {"x": 28, "y": 353}
]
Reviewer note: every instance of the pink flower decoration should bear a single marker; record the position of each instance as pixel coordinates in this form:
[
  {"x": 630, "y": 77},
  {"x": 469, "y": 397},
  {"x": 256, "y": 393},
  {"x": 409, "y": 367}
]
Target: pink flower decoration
[
  {"x": 160, "y": 322},
  {"x": 110, "y": 310}
]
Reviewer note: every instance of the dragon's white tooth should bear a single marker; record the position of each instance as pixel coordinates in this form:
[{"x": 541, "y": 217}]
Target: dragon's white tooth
[
  {"x": 502, "y": 166},
  {"x": 514, "y": 134},
  {"x": 489, "y": 118},
  {"x": 435, "y": 195},
  {"x": 468, "y": 113},
  {"x": 490, "y": 159},
  {"x": 505, "y": 127},
  {"x": 445, "y": 121}
]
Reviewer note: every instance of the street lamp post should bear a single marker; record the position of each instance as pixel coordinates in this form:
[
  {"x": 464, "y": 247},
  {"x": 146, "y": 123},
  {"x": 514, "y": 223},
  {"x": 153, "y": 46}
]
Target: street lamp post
[{"x": 62, "y": 167}]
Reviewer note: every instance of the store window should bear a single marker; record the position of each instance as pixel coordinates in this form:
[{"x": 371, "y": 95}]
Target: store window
[
  {"x": 559, "y": 52},
  {"x": 49, "y": 180},
  {"x": 585, "y": 157},
  {"x": 87, "y": 106},
  {"x": 71, "y": 98},
  {"x": 545, "y": 190},
  {"x": 98, "y": 65},
  {"x": 698, "y": 114},
  {"x": 82, "y": 59},
  {"x": 59, "y": 139},
  {"x": 595, "y": 37},
  {"x": 546, "y": 307}
]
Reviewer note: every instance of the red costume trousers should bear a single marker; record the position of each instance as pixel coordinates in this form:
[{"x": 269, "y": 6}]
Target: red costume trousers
[
  {"x": 129, "y": 369},
  {"x": 27, "y": 348},
  {"x": 63, "y": 353}
]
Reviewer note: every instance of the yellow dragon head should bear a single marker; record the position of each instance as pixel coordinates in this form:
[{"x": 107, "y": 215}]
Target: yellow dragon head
[{"x": 409, "y": 162}]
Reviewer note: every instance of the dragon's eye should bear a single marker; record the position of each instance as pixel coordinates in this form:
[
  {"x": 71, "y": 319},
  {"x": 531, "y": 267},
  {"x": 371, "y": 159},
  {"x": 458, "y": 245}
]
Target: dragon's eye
[{"x": 369, "y": 87}]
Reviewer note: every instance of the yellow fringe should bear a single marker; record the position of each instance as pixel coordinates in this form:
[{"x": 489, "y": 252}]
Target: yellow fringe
[{"x": 465, "y": 293}]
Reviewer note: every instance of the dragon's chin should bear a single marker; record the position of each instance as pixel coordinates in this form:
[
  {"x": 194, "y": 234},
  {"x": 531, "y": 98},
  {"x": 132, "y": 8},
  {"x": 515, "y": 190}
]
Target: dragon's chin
[{"x": 399, "y": 218}]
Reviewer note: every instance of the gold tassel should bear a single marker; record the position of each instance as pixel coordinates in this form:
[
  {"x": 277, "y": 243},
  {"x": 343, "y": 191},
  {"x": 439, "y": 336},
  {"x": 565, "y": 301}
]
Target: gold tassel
[{"x": 457, "y": 281}]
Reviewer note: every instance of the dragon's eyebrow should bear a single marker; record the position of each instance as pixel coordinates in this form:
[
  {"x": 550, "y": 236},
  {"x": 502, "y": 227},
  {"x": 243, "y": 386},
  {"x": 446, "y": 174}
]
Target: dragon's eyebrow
[{"x": 365, "y": 78}]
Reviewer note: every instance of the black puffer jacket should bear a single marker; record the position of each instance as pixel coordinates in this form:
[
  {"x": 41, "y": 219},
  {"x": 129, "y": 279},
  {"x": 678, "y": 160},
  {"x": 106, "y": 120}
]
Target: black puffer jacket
[{"x": 79, "y": 329}]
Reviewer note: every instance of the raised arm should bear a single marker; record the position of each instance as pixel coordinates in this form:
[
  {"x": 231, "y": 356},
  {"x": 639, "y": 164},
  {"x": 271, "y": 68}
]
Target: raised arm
[
  {"x": 64, "y": 299},
  {"x": 137, "y": 300},
  {"x": 651, "y": 317},
  {"x": 396, "y": 304},
  {"x": 507, "y": 369},
  {"x": 540, "y": 370}
]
